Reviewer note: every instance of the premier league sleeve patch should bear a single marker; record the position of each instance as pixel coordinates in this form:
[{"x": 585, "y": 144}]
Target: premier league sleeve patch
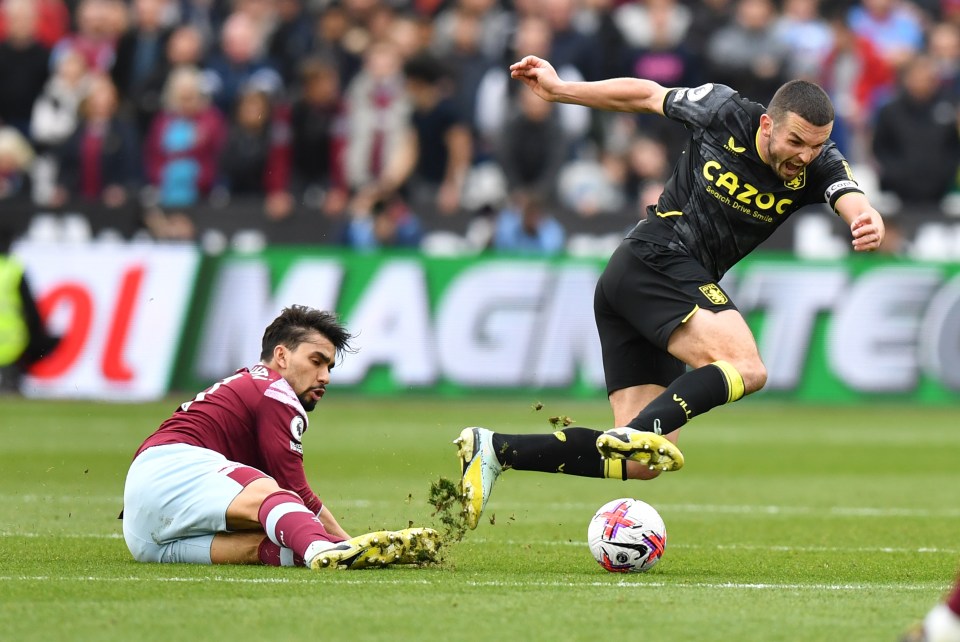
[{"x": 297, "y": 428}]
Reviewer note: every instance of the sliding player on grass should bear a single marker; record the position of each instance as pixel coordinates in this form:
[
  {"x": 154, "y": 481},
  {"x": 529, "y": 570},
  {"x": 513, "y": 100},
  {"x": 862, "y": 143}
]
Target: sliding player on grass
[
  {"x": 658, "y": 305},
  {"x": 222, "y": 480},
  {"x": 942, "y": 623}
]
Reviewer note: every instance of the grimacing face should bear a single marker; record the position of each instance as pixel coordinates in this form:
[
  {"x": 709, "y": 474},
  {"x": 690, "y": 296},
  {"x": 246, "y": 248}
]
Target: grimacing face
[
  {"x": 791, "y": 143},
  {"x": 307, "y": 368}
]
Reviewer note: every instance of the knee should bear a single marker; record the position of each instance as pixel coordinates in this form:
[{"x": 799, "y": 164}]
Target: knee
[
  {"x": 752, "y": 372},
  {"x": 754, "y": 376}
]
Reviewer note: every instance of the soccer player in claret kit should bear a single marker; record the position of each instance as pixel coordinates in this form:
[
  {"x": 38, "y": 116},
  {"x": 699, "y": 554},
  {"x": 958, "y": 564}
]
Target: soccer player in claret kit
[
  {"x": 658, "y": 305},
  {"x": 942, "y": 623},
  {"x": 222, "y": 480}
]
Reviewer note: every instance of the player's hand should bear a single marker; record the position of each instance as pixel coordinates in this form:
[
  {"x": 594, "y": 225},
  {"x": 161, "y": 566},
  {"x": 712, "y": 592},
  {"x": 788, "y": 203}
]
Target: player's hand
[
  {"x": 867, "y": 230},
  {"x": 537, "y": 74}
]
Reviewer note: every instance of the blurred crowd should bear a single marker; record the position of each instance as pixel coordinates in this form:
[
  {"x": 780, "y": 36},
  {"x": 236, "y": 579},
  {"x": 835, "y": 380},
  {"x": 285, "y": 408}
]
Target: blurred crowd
[{"x": 386, "y": 116}]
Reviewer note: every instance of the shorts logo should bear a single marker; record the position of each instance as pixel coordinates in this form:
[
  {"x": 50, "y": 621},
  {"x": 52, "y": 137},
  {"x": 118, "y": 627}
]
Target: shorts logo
[
  {"x": 714, "y": 294},
  {"x": 297, "y": 428}
]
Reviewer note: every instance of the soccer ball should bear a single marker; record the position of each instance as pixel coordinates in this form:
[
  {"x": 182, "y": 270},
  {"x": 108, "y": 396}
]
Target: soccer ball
[{"x": 627, "y": 536}]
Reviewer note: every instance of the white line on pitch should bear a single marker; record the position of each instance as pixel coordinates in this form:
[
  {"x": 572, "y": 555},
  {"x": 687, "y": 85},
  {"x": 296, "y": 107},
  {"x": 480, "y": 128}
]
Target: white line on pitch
[
  {"x": 665, "y": 507},
  {"x": 511, "y": 542},
  {"x": 615, "y": 584},
  {"x": 741, "y": 547}
]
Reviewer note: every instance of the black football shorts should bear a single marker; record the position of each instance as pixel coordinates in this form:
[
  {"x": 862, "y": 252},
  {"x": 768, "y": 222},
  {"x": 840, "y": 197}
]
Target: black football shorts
[{"x": 643, "y": 295}]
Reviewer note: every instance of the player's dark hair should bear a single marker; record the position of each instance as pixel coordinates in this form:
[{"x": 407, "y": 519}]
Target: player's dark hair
[
  {"x": 805, "y": 99},
  {"x": 296, "y": 323}
]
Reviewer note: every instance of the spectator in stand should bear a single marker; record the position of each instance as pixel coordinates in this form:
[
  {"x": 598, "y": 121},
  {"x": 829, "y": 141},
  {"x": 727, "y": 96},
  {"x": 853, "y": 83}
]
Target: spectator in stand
[
  {"x": 442, "y": 148},
  {"x": 24, "y": 64},
  {"x": 495, "y": 94},
  {"x": 387, "y": 222},
  {"x": 568, "y": 44},
  {"x": 292, "y": 39},
  {"x": 915, "y": 140},
  {"x": 646, "y": 162},
  {"x": 706, "y": 17},
  {"x": 262, "y": 14},
  {"x": 52, "y": 24},
  {"x": 893, "y": 26},
  {"x": 655, "y": 33},
  {"x": 256, "y": 157},
  {"x": 101, "y": 161},
  {"x": 184, "y": 142},
  {"x": 807, "y": 36},
  {"x": 533, "y": 147},
  {"x": 525, "y": 226},
  {"x": 239, "y": 62},
  {"x": 316, "y": 115},
  {"x": 54, "y": 114},
  {"x": 943, "y": 45},
  {"x": 468, "y": 63},
  {"x": 96, "y": 36},
  {"x": 857, "y": 78},
  {"x": 184, "y": 48},
  {"x": 16, "y": 157},
  {"x": 410, "y": 32},
  {"x": 746, "y": 53},
  {"x": 54, "y": 119},
  {"x": 140, "y": 50},
  {"x": 658, "y": 51},
  {"x": 598, "y": 19},
  {"x": 334, "y": 40},
  {"x": 376, "y": 135},
  {"x": 490, "y": 20}
]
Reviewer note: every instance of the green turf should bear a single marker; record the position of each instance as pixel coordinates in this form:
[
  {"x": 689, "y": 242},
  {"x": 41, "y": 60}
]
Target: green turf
[{"x": 788, "y": 523}]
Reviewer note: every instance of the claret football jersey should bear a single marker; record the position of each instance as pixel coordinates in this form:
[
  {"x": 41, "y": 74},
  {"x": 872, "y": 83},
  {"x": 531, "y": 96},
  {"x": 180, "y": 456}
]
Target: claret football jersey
[
  {"x": 722, "y": 199},
  {"x": 253, "y": 418}
]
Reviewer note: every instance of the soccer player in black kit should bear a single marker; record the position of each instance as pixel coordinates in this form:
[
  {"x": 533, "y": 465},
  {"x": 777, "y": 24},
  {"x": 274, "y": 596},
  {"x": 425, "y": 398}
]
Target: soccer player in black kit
[{"x": 658, "y": 304}]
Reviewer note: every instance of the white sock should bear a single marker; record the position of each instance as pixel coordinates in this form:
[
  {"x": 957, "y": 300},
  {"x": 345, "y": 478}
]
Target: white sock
[
  {"x": 315, "y": 548},
  {"x": 942, "y": 625}
]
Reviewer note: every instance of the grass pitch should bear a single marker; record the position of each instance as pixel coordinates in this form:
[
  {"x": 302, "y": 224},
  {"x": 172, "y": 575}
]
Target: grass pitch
[{"x": 788, "y": 524}]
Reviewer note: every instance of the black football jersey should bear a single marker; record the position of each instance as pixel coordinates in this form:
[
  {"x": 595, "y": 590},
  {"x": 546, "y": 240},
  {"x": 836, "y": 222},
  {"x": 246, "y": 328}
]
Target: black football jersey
[{"x": 722, "y": 199}]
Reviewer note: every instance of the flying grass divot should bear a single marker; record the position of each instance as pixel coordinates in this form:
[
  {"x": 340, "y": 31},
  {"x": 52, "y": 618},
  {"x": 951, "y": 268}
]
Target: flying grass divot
[{"x": 444, "y": 496}]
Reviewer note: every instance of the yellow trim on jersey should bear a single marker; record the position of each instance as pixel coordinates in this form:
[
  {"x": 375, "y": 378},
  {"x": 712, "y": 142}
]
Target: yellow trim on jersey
[
  {"x": 614, "y": 469},
  {"x": 733, "y": 378},
  {"x": 670, "y": 213},
  {"x": 692, "y": 312}
]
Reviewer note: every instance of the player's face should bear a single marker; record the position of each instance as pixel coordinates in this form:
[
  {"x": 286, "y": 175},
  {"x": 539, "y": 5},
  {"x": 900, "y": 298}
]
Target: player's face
[
  {"x": 792, "y": 143},
  {"x": 307, "y": 368}
]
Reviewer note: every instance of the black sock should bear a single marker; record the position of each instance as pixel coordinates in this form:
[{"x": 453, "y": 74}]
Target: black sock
[
  {"x": 691, "y": 394},
  {"x": 572, "y": 451}
]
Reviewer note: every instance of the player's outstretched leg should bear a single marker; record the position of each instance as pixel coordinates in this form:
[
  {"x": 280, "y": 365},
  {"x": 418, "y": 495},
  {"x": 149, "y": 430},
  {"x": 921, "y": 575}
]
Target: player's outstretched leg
[
  {"x": 378, "y": 549},
  {"x": 413, "y": 546},
  {"x": 650, "y": 449},
  {"x": 479, "y": 469},
  {"x": 363, "y": 551}
]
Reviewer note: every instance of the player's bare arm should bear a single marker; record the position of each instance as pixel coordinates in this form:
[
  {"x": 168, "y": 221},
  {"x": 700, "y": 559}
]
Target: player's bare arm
[
  {"x": 330, "y": 523},
  {"x": 866, "y": 224},
  {"x": 617, "y": 94}
]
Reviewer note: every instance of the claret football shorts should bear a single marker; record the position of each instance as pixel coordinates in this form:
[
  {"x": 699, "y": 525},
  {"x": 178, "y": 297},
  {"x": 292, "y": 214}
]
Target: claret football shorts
[{"x": 644, "y": 294}]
